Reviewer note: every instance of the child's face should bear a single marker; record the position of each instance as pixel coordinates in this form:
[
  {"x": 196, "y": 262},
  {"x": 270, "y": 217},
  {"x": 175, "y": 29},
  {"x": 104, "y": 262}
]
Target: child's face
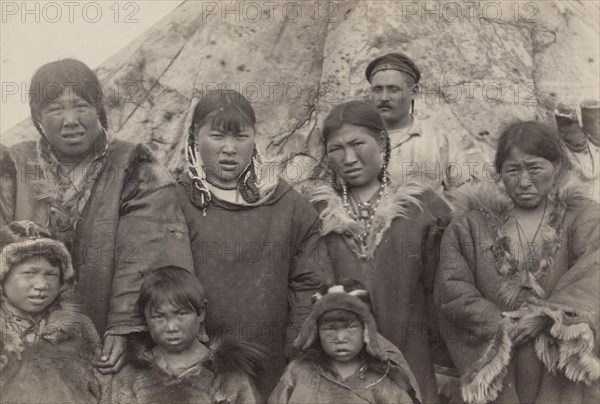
[
  {"x": 341, "y": 340},
  {"x": 32, "y": 285},
  {"x": 172, "y": 327}
]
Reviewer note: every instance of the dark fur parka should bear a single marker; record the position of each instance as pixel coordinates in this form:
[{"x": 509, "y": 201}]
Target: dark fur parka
[{"x": 226, "y": 376}]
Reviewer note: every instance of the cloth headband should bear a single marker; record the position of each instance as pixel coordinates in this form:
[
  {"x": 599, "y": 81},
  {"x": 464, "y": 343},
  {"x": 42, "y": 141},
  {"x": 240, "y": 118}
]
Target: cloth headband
[{"x": 401, "y": 67}]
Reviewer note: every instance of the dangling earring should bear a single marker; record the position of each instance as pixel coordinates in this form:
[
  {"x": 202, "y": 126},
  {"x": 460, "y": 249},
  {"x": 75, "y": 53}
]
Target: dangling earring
[
  {"x": 257, "y": 162},
  {"x": 344, "y": 193},
  {"x": 197, "y": 173}
]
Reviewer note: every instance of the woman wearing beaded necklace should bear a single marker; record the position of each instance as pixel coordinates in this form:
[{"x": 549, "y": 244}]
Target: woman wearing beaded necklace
[
  {"x": 255, "y": 240},
  {"x": 518, "y": 278},
  {"x": 380, "y": 233}
]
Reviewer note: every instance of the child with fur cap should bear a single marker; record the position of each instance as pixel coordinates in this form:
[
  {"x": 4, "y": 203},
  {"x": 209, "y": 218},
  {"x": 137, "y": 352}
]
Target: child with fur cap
[
  {"x": 175, "y": 363},
  {"x": 46, "y": 344},
  {"x": 343, "y": 358}
]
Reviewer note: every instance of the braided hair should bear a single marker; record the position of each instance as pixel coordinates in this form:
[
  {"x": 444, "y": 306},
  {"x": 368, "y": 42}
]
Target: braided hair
[
  {"x": 230, "y": 112},
  {"x": 361, "y": 114},
  {"x": 50, "y": 81}
]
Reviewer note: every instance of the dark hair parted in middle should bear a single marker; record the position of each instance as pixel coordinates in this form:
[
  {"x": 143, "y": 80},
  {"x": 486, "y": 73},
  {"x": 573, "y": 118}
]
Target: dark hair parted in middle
[
  {"x": 227, "y": 111},
  {"x": 361, "y": 114},
  {"x": 52, "y": 79},
  {"x": 357, "y": 113},
  {"x": 530, "y": 137},
  {"x": 174, "y": 285}
]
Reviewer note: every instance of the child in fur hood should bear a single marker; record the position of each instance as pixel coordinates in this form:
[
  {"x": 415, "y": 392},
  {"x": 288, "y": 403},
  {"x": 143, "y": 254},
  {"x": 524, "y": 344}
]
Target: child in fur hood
[
  {"x": 175, "y": 365},
  {"x": 344, "y": 359},
  {"x": 46, "y": 344}
]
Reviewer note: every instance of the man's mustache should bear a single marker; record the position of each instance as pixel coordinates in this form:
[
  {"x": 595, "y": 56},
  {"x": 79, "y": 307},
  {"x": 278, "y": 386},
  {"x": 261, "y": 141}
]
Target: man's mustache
[{"x": 384, "y": 104}]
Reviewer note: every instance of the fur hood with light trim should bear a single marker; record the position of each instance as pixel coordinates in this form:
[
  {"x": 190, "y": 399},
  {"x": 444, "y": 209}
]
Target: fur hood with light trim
[
  {"x": 22, "y": 240},
  {"x": 337, "y": 298},
  {"x": 401, "y": 201},
  {"x": 390, "y": 363}
]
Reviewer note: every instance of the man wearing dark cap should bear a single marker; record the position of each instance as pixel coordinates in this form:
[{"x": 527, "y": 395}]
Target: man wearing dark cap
[{"x": 419, "y": 152}]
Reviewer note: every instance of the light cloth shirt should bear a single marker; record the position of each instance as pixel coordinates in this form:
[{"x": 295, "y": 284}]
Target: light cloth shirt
[{"x": 423, "y": 153}]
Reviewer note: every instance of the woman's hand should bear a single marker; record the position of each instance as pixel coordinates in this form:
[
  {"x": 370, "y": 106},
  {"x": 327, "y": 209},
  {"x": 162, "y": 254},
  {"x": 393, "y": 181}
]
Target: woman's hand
[
  {"x": 526, "y": 325},
  {"x": 112, "y": 357}
]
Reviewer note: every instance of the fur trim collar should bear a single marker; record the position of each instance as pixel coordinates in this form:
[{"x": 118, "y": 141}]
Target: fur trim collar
[
  {"x": 399, "y": 202},
  {"x": 25, "y": 329},
  {"x": 493, "y": 203},
  {"x": 225, "y": 356},
  {"x": 492, "y": 197}
]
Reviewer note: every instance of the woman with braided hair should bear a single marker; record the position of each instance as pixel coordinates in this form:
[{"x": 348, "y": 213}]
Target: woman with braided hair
[
  {"x": 110, "y": 202},
  {"x": 381, "y": 233},
  {"x": 255, "y": 240}
]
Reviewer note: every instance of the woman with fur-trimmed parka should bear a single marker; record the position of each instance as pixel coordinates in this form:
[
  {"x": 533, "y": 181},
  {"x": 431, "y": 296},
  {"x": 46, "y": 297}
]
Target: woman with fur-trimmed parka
[
  {"x": 517, "y": 286},
  {"x": 110, "y": 202},
  {"x": 381, "y": 233}
]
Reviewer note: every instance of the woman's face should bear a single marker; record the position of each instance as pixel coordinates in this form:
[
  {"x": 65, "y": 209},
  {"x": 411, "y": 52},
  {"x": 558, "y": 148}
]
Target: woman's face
[
  {"x": 355, "y": 154},
  {"x": 528, "y": 178},
  {"x": 71, "y": 125},
  {"x": 225, "y": 155}
]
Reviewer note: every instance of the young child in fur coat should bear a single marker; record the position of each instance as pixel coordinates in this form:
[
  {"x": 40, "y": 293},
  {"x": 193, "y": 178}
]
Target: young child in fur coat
[
  {"x": 175, "y": 365},
  {"x": 46, "y": 344},
  {"x": 344, "y": 359}
]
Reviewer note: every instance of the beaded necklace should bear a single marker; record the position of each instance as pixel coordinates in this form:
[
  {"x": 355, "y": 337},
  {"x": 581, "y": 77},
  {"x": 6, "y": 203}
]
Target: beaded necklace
[
  {"x": 530, "y": 250},
  {"x": 363, "y": 211},
  {"x": 222, "y": 187}
]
